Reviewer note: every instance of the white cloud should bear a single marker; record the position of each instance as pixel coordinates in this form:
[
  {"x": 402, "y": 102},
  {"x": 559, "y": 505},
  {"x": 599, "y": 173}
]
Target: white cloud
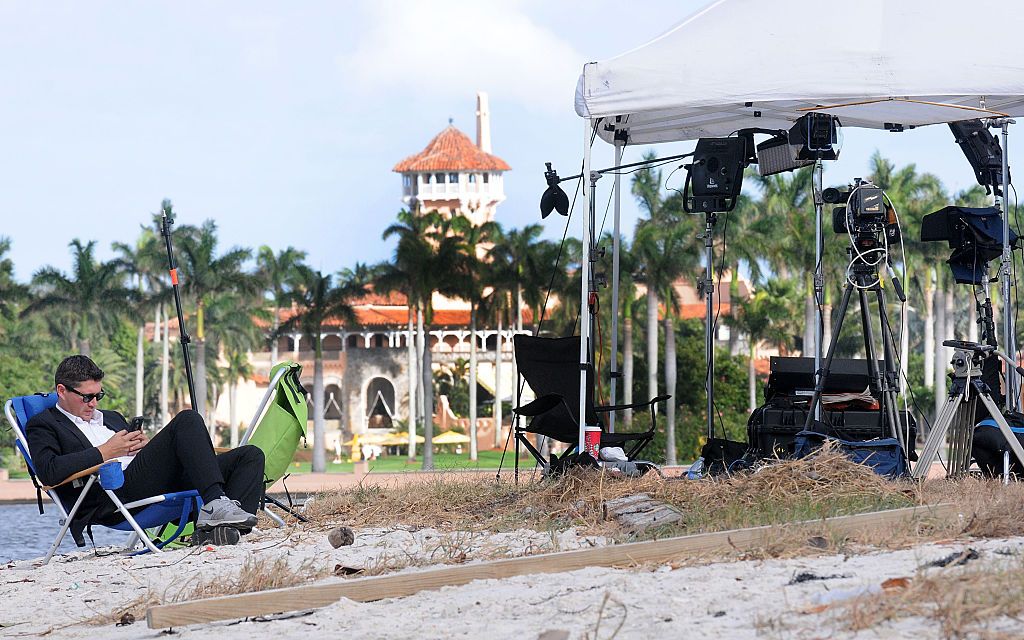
[{"x": 460, "y": 46}]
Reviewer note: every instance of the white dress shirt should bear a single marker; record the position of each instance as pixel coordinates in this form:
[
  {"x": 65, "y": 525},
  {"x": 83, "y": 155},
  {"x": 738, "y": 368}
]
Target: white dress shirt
[{"x": 95, "y": 432}]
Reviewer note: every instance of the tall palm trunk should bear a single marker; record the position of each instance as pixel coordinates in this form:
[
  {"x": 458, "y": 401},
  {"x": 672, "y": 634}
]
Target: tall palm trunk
[
  {"x": 165, "y": 365},
  {"x": 274, "y": 339},
  {"x": 826, "y": 319},
  {"x": 950, "y": 315},
  {"x": 200, "y": 370},
  {"x": 84, "y": 347},
  {"x": 940, "y": 351},
  {"x": 472, "y": 383},
  {"x": 497, "y": 387},
  {"x": 809, "y": 317},
  {"x": 319, "y": 436},
  {"x": 232, "y": 404},
  {"x": 972, "y": 320},
  {"x": 751, "y": 374},
  {"x": 139, "y": 368},
  {"x": 734, "y": 294},
  {"x": 652, "y": 342},
  {"x": 413, "y": 382},
  {"x": 627, "y": 363},
  {"x": 670, "y": 388},
  {"x": 200, "y": 382},
  {"x": 929, "y": 329},
  {"x": 428, "y": 409}
]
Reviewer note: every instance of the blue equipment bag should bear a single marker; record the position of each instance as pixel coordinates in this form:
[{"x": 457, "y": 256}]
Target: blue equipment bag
[{"x": 883, "y": 455}]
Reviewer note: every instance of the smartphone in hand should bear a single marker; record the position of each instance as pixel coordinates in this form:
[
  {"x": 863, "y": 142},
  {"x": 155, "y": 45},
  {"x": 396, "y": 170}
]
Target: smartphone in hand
[{"x": 135, "y": 424}]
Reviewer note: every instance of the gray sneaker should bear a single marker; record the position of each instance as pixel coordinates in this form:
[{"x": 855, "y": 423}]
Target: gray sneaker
[{"x": 223, "y": 511}]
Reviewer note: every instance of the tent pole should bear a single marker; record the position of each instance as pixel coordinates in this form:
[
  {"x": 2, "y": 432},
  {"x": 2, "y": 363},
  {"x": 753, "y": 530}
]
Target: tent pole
[
  {"x": 585, "y": 283},
  {"x": 615, "y": 289},
  {"x": 819, "y": 278},
  {"x": 1006, "y": 271}
]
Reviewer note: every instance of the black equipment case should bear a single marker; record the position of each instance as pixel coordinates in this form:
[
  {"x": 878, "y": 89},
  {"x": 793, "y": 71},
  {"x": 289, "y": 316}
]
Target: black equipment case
[{"x": 772, "y": 427}]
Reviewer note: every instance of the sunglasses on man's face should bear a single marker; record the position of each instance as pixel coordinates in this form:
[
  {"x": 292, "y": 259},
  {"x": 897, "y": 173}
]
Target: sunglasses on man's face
[{"x": 87, "y": 397}]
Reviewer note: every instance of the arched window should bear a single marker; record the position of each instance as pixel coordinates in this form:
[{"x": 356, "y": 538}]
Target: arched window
[
  {"x": 352, "y": 341},
  {"x": 332, "y": 402},
  {"x": 380, "y": 403},
  {"x": 331, "y": 343}
]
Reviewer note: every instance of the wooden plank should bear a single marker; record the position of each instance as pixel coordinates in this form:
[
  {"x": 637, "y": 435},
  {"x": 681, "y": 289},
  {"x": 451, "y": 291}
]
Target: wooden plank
[{"x": 395, "y": 586}]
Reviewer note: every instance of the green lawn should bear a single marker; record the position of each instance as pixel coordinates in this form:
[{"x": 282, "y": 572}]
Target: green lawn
[{"x": 442, "y": 461}]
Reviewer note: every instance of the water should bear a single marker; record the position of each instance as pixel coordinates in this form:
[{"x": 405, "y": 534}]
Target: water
[{"x": 24, "y": 534}]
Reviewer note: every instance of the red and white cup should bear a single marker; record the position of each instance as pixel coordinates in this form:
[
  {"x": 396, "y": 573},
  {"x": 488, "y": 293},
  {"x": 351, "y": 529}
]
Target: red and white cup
[{"x": 592, "y": 441}]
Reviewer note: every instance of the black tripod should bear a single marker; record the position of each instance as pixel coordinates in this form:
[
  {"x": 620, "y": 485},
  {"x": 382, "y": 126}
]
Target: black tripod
[{"x": 883, "y": 384}]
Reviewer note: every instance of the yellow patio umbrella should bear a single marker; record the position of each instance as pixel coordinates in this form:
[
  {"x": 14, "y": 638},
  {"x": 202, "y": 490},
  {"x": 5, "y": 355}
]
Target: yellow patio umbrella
[
  {"x": 451, "y": 437},
  {"x": 369, "y": 438},
  {"x": 398, "y": 439}
]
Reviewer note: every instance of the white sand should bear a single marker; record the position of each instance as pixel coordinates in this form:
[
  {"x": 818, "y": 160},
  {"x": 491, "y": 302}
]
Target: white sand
[{"x": 743, "y": 599}]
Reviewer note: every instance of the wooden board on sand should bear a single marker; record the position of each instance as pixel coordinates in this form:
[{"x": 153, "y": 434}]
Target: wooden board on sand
[{"x": 395, "y": 586}]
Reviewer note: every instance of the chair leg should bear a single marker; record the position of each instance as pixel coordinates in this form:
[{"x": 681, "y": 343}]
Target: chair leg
[
  {"x": 67, "y": 521},
  {"x": 132, "y": 541},
  {"x": 135, "y": 525},
  {"x": 278, "y": 520}
]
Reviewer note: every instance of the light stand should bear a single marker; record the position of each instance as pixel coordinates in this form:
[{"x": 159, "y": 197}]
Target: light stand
[
  {"x": 1006, "y": 273},
  {"x": 613, "y": 400},
  {"x": 708, "y": 291},
  {"x": 819, "y": 277},
  {"x": 165, "y": 230}
]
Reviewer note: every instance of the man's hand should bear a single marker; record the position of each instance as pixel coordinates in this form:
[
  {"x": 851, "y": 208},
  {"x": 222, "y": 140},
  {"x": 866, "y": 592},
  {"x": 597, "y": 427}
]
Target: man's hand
[
  {"x": 140, "y": 441},
  {"x": 122, "y": 443}
]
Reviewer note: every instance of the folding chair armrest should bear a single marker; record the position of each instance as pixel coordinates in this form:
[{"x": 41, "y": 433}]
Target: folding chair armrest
[
  {"x": 541, "y": 405},
  {"x": 634, "y": 405},
  {"x": 75, "y": 476}
]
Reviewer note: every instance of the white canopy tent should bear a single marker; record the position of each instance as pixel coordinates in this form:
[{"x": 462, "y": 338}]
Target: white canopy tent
[
  {"x": 870, "y": 62},
  {"x": 736, "y": 64}
]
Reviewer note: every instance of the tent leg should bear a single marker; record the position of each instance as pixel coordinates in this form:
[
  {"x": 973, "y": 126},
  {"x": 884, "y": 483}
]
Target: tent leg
[
  {"x": 619, "y": 144},
  {"x": 588, "y": 126}
]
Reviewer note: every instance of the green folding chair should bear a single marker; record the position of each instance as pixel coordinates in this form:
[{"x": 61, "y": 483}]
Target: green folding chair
[{"x": 278, "y": 429}]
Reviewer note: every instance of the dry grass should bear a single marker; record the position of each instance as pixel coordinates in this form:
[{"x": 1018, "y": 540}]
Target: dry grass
[
  {"x": 255, "y": 575},
  {"x": 820, "y": 486},
  {"x": 964, "y": 601}
]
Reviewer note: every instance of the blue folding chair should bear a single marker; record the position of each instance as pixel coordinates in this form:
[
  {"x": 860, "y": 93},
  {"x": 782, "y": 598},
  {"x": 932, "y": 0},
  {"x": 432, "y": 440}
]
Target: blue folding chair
[{"x": 157, "y": 512}]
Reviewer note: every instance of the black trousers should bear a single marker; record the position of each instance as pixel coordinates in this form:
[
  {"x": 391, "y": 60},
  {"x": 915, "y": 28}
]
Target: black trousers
[{"x": 181, "y": 457}]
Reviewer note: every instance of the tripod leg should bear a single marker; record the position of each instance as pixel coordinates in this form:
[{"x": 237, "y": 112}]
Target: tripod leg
[
  {"x": 823, "y": 374},
  {"x": 890, "y": 377},
  {"x": 1011, "y": 438},
  {"x": 937, "y": 436}
]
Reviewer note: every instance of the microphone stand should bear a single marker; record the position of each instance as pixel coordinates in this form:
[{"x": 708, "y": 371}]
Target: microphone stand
[{"x": 165, "y": 231}]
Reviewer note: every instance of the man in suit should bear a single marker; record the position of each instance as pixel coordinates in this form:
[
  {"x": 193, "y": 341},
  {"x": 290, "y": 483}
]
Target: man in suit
[{"x": 76, "y": 435}]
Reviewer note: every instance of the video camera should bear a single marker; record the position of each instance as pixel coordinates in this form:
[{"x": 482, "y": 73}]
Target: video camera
[{"x": 862, "y": 208}]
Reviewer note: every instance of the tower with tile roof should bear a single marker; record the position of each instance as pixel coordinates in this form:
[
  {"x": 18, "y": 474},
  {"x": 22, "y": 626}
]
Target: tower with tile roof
[{"x": 454, "y": 175}]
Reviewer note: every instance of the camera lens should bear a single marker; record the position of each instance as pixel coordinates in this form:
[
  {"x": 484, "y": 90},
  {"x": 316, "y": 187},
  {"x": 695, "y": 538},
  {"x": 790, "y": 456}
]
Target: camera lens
[{"x": 832, "y": 195}]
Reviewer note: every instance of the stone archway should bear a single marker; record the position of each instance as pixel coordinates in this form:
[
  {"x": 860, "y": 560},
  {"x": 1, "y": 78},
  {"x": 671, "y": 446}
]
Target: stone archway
[{"x": 380, "y": 403}]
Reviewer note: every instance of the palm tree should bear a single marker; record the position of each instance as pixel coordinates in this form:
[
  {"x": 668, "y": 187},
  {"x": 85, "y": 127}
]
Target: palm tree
[
  {"x": 476, "y": 239},
  {"x": 234, "y": 333},
  {"x": 663, "y": 245},
  {"x": 92, "y": 299},
  {"x": 278, "y": 273},
  {"x": 403, "y": 274},
  {"x": 319, "y": 299},
  {"x": 10, "y": 291},
  {"x": 765, "y": 317},
  {"x": 429, "y": 258},
  {"x": 140, "y": 264},
  {"x": 206, "y": 276},
  {"x": 787, "y": 217}
]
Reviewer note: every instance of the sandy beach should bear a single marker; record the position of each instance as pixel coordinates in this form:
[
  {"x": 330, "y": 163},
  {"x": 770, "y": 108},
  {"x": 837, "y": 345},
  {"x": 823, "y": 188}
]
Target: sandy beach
[{"x": 743, "y": 598}]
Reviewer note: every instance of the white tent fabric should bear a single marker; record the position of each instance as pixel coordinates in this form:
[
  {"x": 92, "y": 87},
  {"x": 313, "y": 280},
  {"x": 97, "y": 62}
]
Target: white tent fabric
[{"x": 753, "y": 63}]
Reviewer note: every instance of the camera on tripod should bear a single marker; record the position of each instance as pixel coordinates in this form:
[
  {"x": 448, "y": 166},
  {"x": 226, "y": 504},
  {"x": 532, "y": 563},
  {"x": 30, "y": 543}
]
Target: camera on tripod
[{"x": 861, "y": 208}]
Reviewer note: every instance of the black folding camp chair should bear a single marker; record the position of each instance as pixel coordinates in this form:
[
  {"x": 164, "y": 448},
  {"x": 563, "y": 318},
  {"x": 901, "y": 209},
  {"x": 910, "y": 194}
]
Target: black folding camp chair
[{"x": 551, "y": 366}]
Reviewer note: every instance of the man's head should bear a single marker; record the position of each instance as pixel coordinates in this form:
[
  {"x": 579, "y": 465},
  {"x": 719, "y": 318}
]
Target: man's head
[{"x": 78, "y": 383}]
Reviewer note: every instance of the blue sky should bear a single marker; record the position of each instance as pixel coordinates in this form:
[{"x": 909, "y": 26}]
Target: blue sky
[{"x": 281, "y": 121}]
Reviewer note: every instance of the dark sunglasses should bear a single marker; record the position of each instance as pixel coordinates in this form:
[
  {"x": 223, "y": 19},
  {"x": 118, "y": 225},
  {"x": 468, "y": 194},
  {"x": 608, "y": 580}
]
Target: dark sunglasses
[{"x": 88, "y": 397}]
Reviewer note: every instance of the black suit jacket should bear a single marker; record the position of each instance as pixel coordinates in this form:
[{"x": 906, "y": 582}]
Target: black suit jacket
[{"x": 60, "y": 449}]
